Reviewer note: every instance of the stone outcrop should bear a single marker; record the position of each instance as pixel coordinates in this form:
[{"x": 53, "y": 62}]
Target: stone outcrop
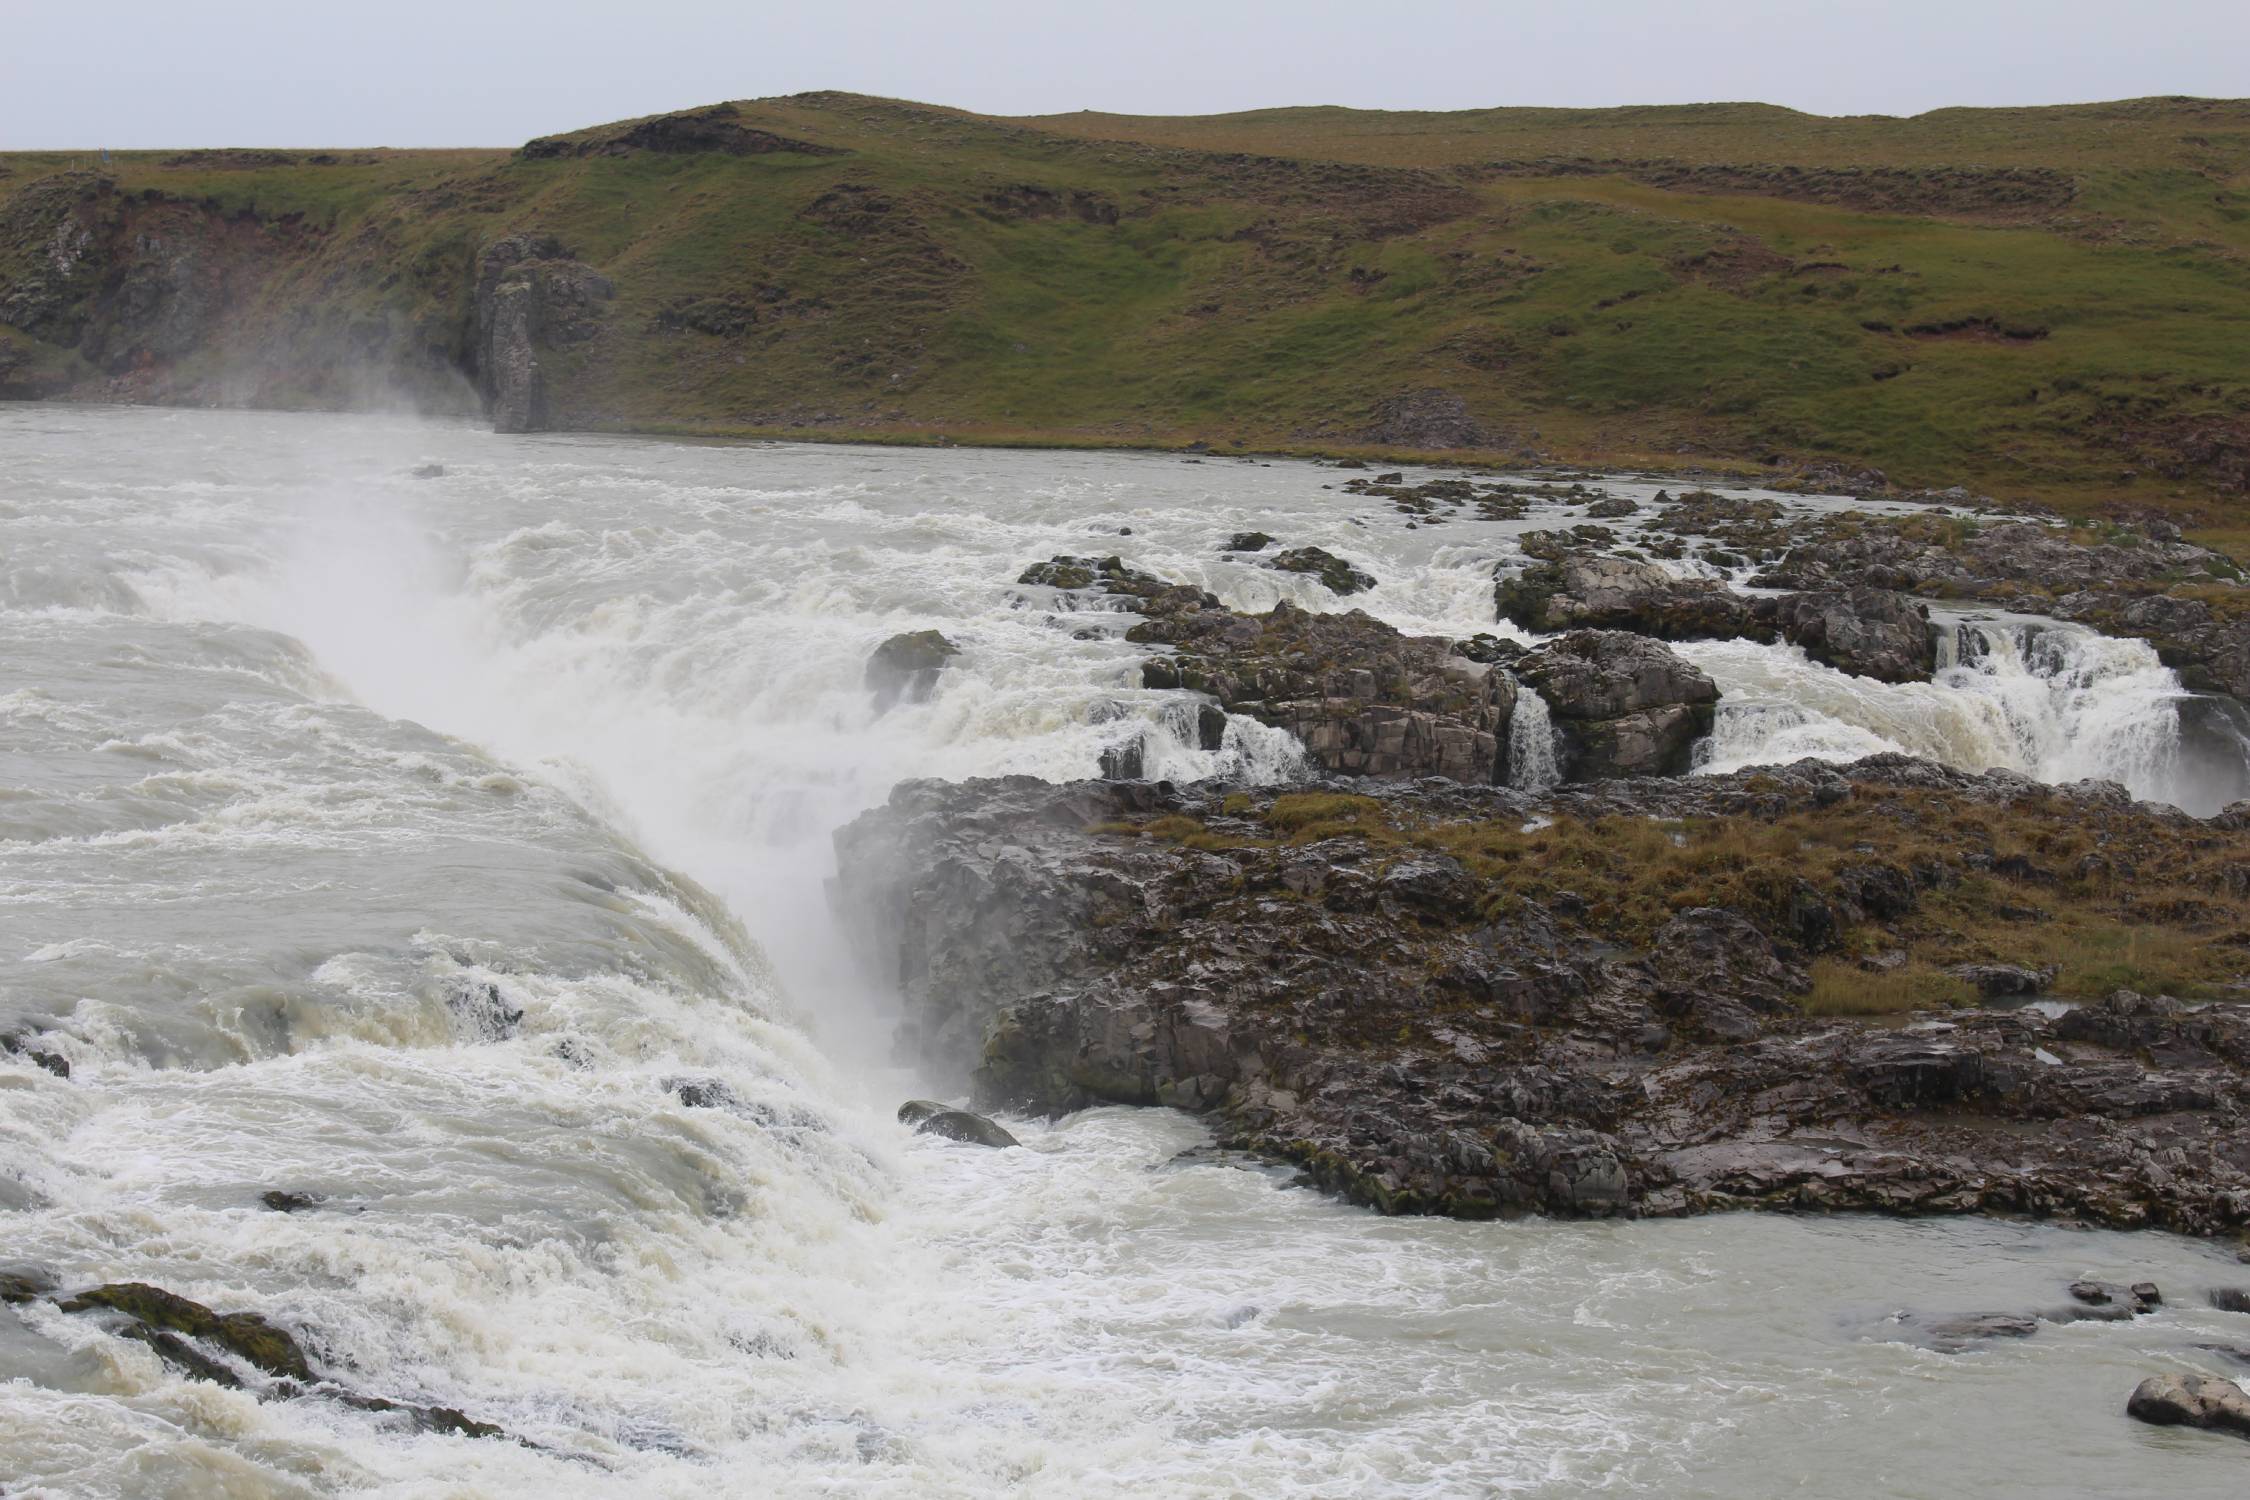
[
  {"x": 1364, "y": 979},
  {"x": 1868, "y": 632},
  {"x": 905, "y": 668},
  {"x": 1587, "y": 591},
  {"x": 1339, "y": 576},
  {"x": 928, "y": 1117},
  {"x": 1979, "y": 559},
  {"x": 532, "y": 300},
  {"x": 1364, "y": 698},
  {"x": 1622, "y": 704}
]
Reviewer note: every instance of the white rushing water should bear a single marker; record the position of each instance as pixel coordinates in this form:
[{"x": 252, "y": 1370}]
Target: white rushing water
[
  {"x": 2052, "y": 700},
  {"x": 412, "y": 841}
]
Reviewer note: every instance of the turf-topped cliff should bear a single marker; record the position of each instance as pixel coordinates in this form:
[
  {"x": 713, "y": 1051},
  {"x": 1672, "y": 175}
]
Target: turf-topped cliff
[{"x": 2042, "y": 302}]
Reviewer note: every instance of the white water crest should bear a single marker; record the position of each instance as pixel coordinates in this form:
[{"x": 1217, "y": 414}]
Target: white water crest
[
  {"x": 1534, "y": 761},
  {"x": 2054, "y": 701},
  {"x": 428, "y": 845}
]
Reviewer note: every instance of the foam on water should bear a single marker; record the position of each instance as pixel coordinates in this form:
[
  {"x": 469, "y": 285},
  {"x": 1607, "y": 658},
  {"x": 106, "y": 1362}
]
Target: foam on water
[{"x": 425, "y": 845}]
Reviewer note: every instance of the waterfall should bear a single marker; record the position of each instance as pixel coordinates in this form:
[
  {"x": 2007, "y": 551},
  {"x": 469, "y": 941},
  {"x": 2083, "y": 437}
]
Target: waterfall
[
  {"x": 1533, "y": 764},
  {"x": 2054, "y": 701}
]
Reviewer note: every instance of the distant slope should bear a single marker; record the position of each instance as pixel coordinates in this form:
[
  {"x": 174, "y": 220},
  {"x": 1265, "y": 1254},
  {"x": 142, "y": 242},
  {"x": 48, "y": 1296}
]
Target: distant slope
[{"x": 2037, "y": 302}]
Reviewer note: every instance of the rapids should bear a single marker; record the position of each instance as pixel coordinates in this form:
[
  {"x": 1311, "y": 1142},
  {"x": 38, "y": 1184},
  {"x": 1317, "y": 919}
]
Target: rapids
[{"x": 412, "y": 842}]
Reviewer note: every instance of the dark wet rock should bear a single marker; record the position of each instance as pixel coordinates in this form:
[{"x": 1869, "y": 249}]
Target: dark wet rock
[
  {"x": 905, "y": 668},
  {"x": 1343, "y": 976},
  {"x": 1247, "y": 541},
  {"x": 1127, "y": 761},
  {"x": 1867, "y": 632},
  {"x": 931, "y": 1118},
  {"x": 2206, "y": 1401},
  {"x": 1585, "y": 591},
  {"x": 217, "y": 1347},
  {"x": 701, "y": 1093},
  {"x": 2140, "y": 1297},
  {"x": 1611, "y": 507},
  {"x": 2230, "y": 1299},
  {"x": 430, "y": 471},
  {"x": 24, "y": 1043},
  {"x": 1967, "y": 1330},
  {"x": 152, "y": 1313},
  {"x": 22, "y": 1283},
  {"x": 2003, "y": 981},
  {"x": 1338, "y": 576},
  {"x": 2162, "y": 1028},
  {"x": 282, "y": 1202},
  {"x": 1622, "y": 705},
  {"x": 1362, "y": 697},
  {"x": 483, "y": 1012}
]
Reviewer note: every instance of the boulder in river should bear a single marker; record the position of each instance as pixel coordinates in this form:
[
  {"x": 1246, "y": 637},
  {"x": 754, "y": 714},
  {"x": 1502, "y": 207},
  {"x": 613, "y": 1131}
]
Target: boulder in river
[
  {"x": 905, "y": 668},
  {"x": 1867, "y": 632},
  {"x": 159, "y": 1318},
  {"x": 1339, "y": 576},
  {"x": 928, "y": 1117},
  {"x": 2209, "y": 1401},
  {"x": 1583, "y": 590},
  {"x": 1363, "y": 698},
  {"x": 1247, "y": 541},
  {"x": 1622, "y": 704}
]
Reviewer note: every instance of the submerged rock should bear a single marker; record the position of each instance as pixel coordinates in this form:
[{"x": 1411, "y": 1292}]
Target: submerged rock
[
  {"x": 928, "y": 1117},
  {"x": 185, "y": 1335},
  {"x": 290, "y": 1203},
  {"x": 905, "y": 668},
  {"x": 1338, "y": 576},
  {"x": 155, "y": 1316},
  {"x": 2208, "y": 1401},
  {"x": 1965, "y": 1331},
  {"x": 22, "y": 1283}
]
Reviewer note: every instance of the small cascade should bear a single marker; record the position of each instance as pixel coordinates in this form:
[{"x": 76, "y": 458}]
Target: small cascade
[
  {"x": 1533, "y": 761},
  {"x": 1173, "y": 741},
  {"x": 2054, "y": 701}
]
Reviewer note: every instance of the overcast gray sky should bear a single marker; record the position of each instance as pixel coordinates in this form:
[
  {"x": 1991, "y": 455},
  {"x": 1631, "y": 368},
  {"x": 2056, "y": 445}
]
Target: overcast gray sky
[{"x": 128, "y": 73}]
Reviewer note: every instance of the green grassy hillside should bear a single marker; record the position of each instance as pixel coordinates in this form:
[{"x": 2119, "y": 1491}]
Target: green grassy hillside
[{"x": 2041, "y": 303}]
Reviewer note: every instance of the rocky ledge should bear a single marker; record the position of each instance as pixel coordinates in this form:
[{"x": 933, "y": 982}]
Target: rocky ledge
[
  {"x": 1609, "y": 999},
  {"x": 1366, "y": 699}
]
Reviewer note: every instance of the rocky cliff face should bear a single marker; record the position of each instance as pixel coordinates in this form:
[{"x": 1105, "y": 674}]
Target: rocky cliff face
[
  {"x": 533, "y": 300},
  {"x": 1392, "y": 986}
]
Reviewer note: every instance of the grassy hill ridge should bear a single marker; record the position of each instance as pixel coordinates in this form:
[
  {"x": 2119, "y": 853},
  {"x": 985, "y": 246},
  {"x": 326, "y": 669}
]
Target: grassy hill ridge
[{"x": 2047, "y": 303}]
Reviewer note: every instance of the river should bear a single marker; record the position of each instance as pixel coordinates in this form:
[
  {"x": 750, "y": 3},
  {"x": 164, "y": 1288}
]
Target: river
[{"x": 410, "y": 841}]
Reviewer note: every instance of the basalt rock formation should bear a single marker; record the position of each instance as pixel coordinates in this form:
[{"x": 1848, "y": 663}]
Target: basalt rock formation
[
  {"x": 1869, "y": 632},
  {"x": 1362, "y": 697},
  {"x": 1622, "y": 704},
  {"x": 532, "y": 300},
  {"x": 1471, "y": 1000}
]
